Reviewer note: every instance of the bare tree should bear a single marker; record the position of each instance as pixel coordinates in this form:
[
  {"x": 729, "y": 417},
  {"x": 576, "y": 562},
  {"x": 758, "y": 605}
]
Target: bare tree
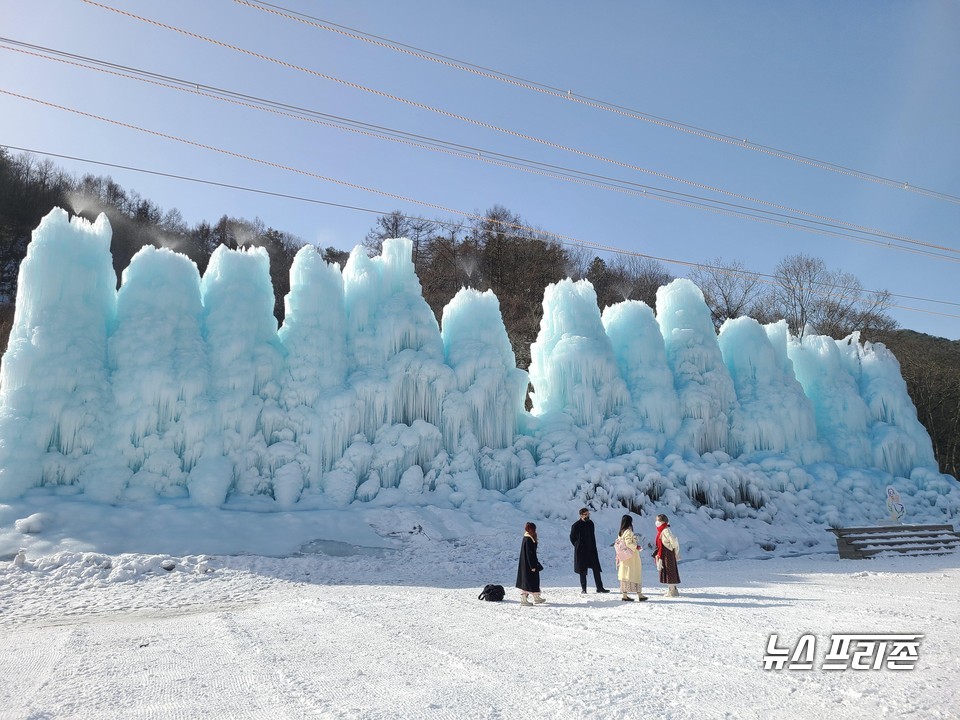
[
  {"x": 419, "y": 231},
  {"x": 578, "y": 261},
  {"x": 446, "y": 264},
  {"x": 626, "y": 277},
  {"x": 728, "y": 289},
  {"x": 498, "y": 234},
  {"x": 809, "y": 295},
  {"x": 638, "y": 278},
  {"x": 174, "y": 223},
  {"x": 391, "y": 225}
]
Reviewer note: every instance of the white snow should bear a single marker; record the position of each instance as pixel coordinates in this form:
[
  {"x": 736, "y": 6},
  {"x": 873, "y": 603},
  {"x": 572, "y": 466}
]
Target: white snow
[{"x": 377, "y": 617}]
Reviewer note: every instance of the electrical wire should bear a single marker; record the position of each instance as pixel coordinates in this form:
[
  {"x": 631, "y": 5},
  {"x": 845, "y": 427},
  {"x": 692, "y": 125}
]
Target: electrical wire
[
  {"x": 847, "y": 291},
  {"x": 208, "y": 147},
  {"x": 187, "y": 178},
  {"x": 569, "y": 95},
  {"x": 449, "y": 148},
  {"x": 490, "y": 126}
]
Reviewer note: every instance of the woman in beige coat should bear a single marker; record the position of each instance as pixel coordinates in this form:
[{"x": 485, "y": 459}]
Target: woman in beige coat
[{"x": 628, "y": 570}]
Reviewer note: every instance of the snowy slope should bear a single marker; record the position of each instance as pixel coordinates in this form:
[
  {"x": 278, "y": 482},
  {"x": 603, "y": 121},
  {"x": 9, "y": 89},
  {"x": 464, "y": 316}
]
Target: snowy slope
[{"x": 387, "y": 625}]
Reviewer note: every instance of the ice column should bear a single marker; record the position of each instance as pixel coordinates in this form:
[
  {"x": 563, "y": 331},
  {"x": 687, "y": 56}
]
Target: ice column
[
  {"x": 245, "y": 362},
  {"x": 900, "y": 443},
  {"x": 572, "y": 364},
  {"x": 775, "y": 416},
  {"x": 321, "y": 409},
  {"x": 490, "y": 385},
  {"x": 703, "y": 383},
  {"x": 160, "y": 372},
  {"x": 638, "y": 348},
  {"x": 481, "y": 415},
  {"x": 55, "y": 386},
  {"x": 396, "y": 361},
  {"x": 840, "y": 413}
]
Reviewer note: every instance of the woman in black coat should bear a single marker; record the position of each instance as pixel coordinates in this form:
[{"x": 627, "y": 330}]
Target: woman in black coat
[{"x": 528, "y": 571}]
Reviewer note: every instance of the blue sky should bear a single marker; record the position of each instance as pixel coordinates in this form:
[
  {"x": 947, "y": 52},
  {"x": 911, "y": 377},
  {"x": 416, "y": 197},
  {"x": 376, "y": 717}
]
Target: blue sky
[{"x": 871, "y": 87}]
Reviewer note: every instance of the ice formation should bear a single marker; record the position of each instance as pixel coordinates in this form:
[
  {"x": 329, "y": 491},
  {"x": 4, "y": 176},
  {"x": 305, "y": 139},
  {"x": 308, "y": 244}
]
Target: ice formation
[
  {"x": 483, "y": 411},
  {"x": 642, "y": 360},
  {"x": 704, "y": 386},
  {"x": 774, "y": 415},
  {"x": 897, "y": 439},
  {"x": 54, "y": 381},
  {"x": 159, "y": 370},
  {"x": 181, "y": 388},
  {"x": 572, "y": 366}
]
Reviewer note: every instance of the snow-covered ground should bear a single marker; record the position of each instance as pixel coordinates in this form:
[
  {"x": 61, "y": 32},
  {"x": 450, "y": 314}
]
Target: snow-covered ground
[{"x": 384, "y": 622}]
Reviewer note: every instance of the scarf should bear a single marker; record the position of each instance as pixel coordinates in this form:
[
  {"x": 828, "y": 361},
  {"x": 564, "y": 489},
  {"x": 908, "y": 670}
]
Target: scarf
[{"x": 660, "y": 529}]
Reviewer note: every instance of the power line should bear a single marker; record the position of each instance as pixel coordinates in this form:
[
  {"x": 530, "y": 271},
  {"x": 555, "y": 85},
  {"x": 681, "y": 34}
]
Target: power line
[
  {"x": 513, "y": 133},
  {"x": 400, "y": 197},
  {"x": 562, "y": 239},
  {"x": 187, "y": 178},
  {"x": 458, "y": 150},
  {"x": 595, "y": 103}
]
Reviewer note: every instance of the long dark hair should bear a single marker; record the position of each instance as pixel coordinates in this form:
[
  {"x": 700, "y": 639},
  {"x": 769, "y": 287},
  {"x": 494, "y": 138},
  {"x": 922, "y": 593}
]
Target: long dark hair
[
  {"x": 626, "y": 522},
  {"x": 531, "y": 529}
]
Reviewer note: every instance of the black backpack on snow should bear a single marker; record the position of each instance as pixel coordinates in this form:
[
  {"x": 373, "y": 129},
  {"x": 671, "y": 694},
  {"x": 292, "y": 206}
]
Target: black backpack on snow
[{"x": 493, "y": 593}]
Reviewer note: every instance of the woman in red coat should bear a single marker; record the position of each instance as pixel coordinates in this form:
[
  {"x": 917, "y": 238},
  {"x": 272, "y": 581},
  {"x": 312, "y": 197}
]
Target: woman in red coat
[
  {"x": 528, "y": 571},
  {"x": 667, "y": 554}
]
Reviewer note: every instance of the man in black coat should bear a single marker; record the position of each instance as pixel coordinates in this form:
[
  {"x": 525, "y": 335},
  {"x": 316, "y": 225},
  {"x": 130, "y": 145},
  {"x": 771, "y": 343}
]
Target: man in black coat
[{"x": 585, "y": 555}]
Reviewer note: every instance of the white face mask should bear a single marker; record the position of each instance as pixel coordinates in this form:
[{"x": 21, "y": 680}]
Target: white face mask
[{"x": 660, "y": 522}]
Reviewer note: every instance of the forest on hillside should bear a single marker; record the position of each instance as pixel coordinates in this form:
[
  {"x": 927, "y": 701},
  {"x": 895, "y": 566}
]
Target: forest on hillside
[{"x": 504, "y": 253}]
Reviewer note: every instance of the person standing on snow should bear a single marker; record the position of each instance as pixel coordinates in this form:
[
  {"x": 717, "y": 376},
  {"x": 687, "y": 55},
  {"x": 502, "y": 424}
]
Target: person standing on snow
[
  {"x": 628, "y": 569},
  {"x": 528, "y": 571},
  {"x": 585, "y": 557},
  {"x": 667, "y": 554}
]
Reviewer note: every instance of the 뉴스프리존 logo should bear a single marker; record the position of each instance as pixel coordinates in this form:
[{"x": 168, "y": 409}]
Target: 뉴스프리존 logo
[{"x": 848, "y": 651}]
